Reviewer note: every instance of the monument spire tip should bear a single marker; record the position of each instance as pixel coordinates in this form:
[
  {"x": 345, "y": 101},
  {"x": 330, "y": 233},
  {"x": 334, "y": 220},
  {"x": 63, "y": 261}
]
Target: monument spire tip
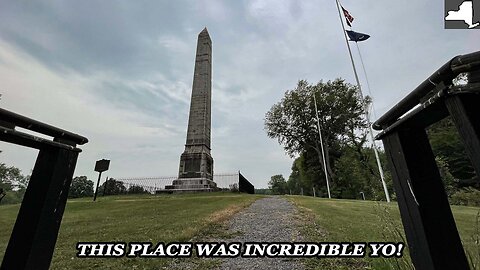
[{"x": 204, "y": 31}]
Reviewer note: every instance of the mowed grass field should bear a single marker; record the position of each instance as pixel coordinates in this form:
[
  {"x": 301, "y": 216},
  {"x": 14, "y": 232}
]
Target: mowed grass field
[
  {"x": 368, "y": 221},
  {"x": 173, "y": 218},
  {"x": 149, "y": 218}
]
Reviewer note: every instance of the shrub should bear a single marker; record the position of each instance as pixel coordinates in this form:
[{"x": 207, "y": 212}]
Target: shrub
[
  {"x": 234, "y": 187},
  {"x": 467, "y": 196}
]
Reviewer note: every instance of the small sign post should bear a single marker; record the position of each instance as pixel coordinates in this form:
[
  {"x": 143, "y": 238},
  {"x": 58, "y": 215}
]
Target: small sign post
[{"x": 101, "y": 166}]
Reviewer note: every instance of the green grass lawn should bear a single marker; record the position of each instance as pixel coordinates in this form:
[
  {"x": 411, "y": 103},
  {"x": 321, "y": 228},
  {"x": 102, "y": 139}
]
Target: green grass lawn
[
  {"x": 368, "y": 221},
  {"x": 169, "y": 218},
  {"x": 163, "y": 218}
]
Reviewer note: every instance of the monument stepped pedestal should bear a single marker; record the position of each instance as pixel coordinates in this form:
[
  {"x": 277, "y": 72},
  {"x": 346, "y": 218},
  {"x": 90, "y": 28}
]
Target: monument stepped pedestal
[{"x": 192, "y": 185}]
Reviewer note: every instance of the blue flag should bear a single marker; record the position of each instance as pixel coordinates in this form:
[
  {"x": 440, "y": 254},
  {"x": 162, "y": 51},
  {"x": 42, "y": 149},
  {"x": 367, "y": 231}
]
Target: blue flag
[{"x": 355, "y": 36}]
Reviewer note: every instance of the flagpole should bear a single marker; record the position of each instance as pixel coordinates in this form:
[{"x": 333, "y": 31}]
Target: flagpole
[
  {"x": 366, "y": 78},
  {"x": 321, "y": 146},
  {"x": 375, "y": 149},
  {"x": 379, "y": 164}
]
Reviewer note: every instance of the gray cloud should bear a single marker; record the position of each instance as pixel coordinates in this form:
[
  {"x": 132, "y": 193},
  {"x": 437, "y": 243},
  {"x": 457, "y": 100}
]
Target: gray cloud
[{"x": 121, "y": 72}]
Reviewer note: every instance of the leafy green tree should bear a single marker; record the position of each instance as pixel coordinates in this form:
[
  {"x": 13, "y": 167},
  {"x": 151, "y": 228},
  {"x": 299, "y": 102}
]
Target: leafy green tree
[
  {"x": 13, "y": 183},
  {"x": 447, "y": 145},
  {"x": 112, "y": 187},
  {"x": 351, "y": 165},
  {"x": 11, "y": 178},
  {"x": 294, "y": 183},
  {"x": 81, "y": 187},
  {"x": 6, "y": 176},
  {"x": 307, "y": 174},
  {"x": 292, "y": 121},
  {"x": 451, "y": 184},
  {"x": 357, "y": 172},
  {"x": 136, "y": 190},
  {"x": 351, "y": 176},
  {"x": 277, "y": 184}
]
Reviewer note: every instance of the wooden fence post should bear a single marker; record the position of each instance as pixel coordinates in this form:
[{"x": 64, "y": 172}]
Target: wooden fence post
[{"x": 432, "y": 235}]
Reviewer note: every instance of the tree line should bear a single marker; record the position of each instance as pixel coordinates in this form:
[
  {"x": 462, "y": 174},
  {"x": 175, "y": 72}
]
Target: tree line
[
  {"x": 82, "y": 187},
  {"x": 13, "y": 185},
  {"x": 349, "y": 157}
]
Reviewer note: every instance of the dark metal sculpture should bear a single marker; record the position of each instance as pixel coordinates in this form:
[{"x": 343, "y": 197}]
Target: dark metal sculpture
[
  {"x": 34, "y": 235},
  {"x": 429, "y": 225},
  {"x": 244, "y": 185}
]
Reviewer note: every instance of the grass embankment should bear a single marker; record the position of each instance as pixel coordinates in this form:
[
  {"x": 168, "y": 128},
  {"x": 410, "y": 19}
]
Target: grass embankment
[
  {"x": 165, "y": 218},
  {"x": 367, "y": 221}
]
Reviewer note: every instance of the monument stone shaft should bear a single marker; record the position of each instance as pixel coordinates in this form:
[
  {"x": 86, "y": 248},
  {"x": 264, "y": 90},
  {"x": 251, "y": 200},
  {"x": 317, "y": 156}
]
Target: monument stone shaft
[{"x": 196, "y": 162}]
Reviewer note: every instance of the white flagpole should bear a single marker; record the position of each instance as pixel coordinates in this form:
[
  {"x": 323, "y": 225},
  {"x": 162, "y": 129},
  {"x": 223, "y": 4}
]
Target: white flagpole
[
  {"x": 379, "y": 164},
  {"x": 366, "y": 77},
  {"x": 321, "y": 147},
  {"x": 375, "y": 149}
]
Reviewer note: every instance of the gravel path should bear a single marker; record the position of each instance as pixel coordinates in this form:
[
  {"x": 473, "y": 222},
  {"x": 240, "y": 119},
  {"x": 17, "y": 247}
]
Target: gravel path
[{"x": 272, "y": 219}]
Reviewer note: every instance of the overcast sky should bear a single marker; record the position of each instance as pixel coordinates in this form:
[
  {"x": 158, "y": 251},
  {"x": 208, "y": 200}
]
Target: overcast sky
[{"x": 120, "y": 72}]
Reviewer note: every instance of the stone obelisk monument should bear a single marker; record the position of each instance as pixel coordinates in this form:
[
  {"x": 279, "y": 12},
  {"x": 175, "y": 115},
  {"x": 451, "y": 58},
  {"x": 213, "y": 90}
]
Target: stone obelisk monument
[{"x": 196, "y": 163}]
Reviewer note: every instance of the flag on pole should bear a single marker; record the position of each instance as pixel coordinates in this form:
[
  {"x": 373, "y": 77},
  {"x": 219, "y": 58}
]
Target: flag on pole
[
  {"x": 348, "y": 17},
  {"x": 356, "y": 36}
]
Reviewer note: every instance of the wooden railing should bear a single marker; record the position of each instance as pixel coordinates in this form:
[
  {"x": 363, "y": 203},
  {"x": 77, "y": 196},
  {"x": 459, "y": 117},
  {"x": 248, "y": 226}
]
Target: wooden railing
[
  {"x": 429, "y": 225},
  {"x": 35, "y": 232}
]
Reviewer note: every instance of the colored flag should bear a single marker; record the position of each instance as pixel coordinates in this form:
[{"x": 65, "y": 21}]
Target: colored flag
[
  {"x": 348, "y": 17},
  {"x": 355, "y": 36}
]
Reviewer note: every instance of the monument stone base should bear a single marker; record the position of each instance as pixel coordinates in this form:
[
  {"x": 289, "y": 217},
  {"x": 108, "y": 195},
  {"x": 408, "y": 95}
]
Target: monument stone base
[{"x": 192, "y": 185}]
